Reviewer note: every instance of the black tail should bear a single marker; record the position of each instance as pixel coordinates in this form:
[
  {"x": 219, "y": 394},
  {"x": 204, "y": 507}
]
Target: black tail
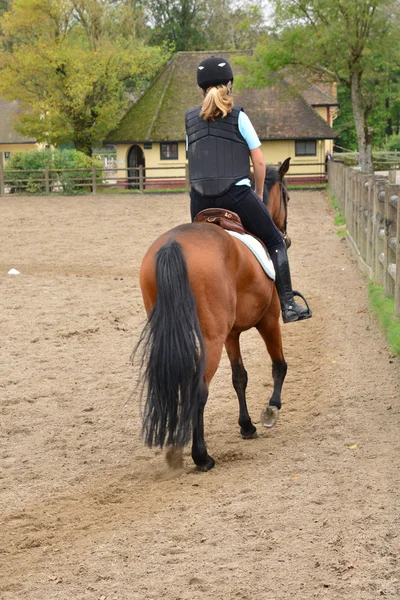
[{"x": 173, "y": 354}]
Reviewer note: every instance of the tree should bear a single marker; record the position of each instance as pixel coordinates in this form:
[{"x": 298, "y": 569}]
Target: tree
[
  {"x": 4, "y": 5},
  {"x": 180, "y": 23},
  {"x": 205, "y": 24},
  {"x": 233, "y": 27},
  {"x": 355, "y": 44},
  {"x": 67, "y": 62}
]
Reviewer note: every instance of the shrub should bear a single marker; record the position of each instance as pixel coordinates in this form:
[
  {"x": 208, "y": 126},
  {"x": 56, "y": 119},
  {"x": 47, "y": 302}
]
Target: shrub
[
  {"x": 70, "y": 171},
  {"x": 393, "y": 143}
]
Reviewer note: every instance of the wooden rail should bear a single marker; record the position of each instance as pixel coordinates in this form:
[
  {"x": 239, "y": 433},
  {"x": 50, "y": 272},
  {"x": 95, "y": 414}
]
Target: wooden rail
[
  {"x": 370, "y": 206},
  {"x": 96, "y": 180}
]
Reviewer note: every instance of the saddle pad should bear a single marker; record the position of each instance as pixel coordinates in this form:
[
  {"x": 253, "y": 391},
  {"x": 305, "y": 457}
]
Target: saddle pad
[{"x": 258, "y": 250}]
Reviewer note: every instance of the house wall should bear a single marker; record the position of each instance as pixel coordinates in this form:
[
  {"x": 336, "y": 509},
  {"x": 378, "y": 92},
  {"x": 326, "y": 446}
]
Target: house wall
[
  {"x": 302, "y": 167},
  {"x": 274, "y": 152},
  {"x": 324, "y": 112},
  {"x": 162, "y": 168},
  {"x": 17, "y": 148}
]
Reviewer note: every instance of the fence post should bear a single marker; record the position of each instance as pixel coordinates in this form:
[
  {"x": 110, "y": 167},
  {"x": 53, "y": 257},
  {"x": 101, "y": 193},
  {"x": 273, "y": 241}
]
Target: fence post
[
  {"x": 94, "y": 180},
  {"x": 386, "y": 275},
  {"x": 397, "y": 279},
  {"x": 141, "y": 182},
  {"x": 370, "y": 221},
  {"x": 187, "y": 182},
  {"x": 380, "y": 231},
  {"x": 1, "y": 174},
  {"x": 47, "y": 180}
]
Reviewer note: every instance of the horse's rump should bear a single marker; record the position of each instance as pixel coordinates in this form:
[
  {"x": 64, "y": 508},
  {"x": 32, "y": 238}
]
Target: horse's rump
[
  {"x": 201, "y": 287},
  {"x": 223, "y": 276}
]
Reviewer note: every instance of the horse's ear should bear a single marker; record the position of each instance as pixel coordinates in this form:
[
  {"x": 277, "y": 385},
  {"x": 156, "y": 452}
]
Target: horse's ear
[{"x": 284, "y": 168}]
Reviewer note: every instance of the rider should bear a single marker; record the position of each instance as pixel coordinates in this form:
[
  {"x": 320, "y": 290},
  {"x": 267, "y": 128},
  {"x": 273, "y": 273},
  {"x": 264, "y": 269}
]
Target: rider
[{"x": 220, "y": 138}]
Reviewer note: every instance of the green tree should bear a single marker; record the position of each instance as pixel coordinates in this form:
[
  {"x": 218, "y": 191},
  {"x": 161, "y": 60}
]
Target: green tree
[
  {"x": 4, "y": 5},
  {"x": 205, "y": 24},
  {"x": 355, "y": 44},
  {"x": 68, "y": 62},
  {"x": 180, "y": 23}
]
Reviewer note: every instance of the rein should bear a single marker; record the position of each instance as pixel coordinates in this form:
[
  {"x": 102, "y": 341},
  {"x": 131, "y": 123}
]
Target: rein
[{"x": 283, "y": 202}]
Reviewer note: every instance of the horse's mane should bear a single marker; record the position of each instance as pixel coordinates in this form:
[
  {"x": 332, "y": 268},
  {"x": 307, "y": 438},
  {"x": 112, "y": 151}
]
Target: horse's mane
[{"x": 271, "y": 177}]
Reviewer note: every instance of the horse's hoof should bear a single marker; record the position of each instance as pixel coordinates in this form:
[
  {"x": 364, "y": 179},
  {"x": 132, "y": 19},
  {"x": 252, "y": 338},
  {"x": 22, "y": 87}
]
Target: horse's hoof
[
  {"x": 249, "y": 436},
  {"x": 269, "y": 416},
  {"x": 206, "y": 466}
]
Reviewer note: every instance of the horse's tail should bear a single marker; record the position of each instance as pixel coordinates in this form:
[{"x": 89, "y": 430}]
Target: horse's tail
[{"x": 173, "y": 357}]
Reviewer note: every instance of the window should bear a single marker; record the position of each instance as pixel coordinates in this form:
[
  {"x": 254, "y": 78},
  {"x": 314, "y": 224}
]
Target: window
[
  {"x": 306, "y": 147},
  {"x": 169, "y": 150}
]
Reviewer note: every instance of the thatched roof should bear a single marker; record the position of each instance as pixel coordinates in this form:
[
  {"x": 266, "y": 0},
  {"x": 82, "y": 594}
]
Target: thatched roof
[
  {"x": 8, "y": 112},
  {"x": 315, "y": 95},
  {"x": 277, "y": 112}
]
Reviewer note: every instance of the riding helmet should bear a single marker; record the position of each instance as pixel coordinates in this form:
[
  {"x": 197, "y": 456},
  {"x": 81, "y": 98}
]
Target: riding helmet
[{"x": 213, "y": 70}]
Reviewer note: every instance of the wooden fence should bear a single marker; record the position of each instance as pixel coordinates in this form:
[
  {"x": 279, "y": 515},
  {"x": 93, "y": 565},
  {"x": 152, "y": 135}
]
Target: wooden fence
[
  {"x": 95, "y": 180},
  {"x": 370, "y": 206}
]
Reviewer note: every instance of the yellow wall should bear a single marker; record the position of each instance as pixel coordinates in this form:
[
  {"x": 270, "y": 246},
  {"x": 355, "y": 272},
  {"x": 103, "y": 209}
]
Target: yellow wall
[
  {"x": 17, "y": 148},
  {"x": 152, "y": 160},
  {"x": 274, "y": 152},
  {"x": 323, "y": 112}
]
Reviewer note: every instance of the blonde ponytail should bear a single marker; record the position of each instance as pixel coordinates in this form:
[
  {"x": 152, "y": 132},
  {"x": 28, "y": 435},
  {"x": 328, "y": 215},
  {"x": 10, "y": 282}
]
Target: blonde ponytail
[{"x": 217, "y": 102}]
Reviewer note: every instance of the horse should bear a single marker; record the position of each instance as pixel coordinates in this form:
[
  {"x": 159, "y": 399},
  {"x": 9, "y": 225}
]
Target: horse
[{"x": 201, "y": 289}]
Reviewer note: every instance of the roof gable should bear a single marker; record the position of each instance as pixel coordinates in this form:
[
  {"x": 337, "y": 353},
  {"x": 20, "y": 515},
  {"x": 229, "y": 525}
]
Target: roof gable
[
  {"x": 8, "y": 112},
  {"x": 315, "y": 95},
  {"x": 277, "y": 112}
]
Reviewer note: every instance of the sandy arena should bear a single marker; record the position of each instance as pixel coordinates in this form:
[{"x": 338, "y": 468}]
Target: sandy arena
[{"x": 311, "y": 509}]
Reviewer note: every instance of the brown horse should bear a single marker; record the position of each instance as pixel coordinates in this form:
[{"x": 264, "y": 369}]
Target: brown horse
[{"x": 201, "y": 288}]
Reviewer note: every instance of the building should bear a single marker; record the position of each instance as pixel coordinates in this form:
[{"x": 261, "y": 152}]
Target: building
[
  {"x": 10, "y": 140},
  {"x": 151, "y": 136}
]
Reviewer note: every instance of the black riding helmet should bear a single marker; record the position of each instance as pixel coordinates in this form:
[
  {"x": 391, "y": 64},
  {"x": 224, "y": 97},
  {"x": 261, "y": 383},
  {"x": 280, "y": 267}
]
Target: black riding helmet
[{"x": 213, "y": 70}]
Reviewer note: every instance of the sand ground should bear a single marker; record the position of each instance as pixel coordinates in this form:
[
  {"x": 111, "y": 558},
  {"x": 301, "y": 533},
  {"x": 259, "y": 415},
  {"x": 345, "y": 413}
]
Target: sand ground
[{"x": 308, "y": 510}]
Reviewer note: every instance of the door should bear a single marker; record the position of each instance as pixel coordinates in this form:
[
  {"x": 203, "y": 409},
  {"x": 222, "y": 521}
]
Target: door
[{"x": 135, "y": 160}]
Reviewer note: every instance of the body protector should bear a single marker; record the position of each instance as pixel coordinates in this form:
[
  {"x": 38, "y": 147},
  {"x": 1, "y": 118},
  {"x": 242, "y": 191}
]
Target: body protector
[{"x": 218, "y": 153}]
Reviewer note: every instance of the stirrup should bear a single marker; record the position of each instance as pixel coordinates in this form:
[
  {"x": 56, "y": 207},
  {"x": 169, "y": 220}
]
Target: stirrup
[{"x": 308, "y": 314}]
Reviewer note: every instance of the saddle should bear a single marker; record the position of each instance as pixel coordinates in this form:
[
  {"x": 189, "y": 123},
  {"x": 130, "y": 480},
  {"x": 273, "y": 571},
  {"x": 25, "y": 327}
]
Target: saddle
[
  {"x": 231, "y": 222},
  {"x": 219, "y": 216}
]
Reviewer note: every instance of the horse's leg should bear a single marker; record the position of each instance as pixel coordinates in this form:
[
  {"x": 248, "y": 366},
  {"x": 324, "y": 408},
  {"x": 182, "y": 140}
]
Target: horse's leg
[
  {"x": 239, "y": 380},
  {"x": 270, "y": 331},
  {"x": 201, "y": 458}
]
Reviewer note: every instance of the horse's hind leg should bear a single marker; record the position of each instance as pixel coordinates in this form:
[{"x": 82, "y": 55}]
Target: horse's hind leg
[
  {"x": 239, "y": 380},
  {"x": 270, "y": 331},
  {"x": 203, "y": 461}
]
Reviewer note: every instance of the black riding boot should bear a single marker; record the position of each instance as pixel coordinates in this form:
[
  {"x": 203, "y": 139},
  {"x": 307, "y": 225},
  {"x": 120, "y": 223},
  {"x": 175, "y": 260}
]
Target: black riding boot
[{"x": 291, "y": 311}]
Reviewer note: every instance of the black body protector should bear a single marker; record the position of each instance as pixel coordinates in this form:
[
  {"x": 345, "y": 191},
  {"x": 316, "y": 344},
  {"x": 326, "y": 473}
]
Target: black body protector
[{"x": 218, "y": 153}]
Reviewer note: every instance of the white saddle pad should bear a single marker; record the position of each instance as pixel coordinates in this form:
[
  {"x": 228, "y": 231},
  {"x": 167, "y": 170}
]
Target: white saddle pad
[{"x": 258, "y": 250}]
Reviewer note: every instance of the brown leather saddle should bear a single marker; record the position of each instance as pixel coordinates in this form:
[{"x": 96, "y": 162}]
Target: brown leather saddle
[
  {"x": 219, "y": 216},
  {"x": 226, "y": 219}
]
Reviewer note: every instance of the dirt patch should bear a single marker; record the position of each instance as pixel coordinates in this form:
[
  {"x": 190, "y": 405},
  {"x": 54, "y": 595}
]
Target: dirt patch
[{"x": 307, "y": 510}]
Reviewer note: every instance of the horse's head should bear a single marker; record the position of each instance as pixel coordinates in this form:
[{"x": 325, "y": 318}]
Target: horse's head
[{"x": 276, "y": 196}]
